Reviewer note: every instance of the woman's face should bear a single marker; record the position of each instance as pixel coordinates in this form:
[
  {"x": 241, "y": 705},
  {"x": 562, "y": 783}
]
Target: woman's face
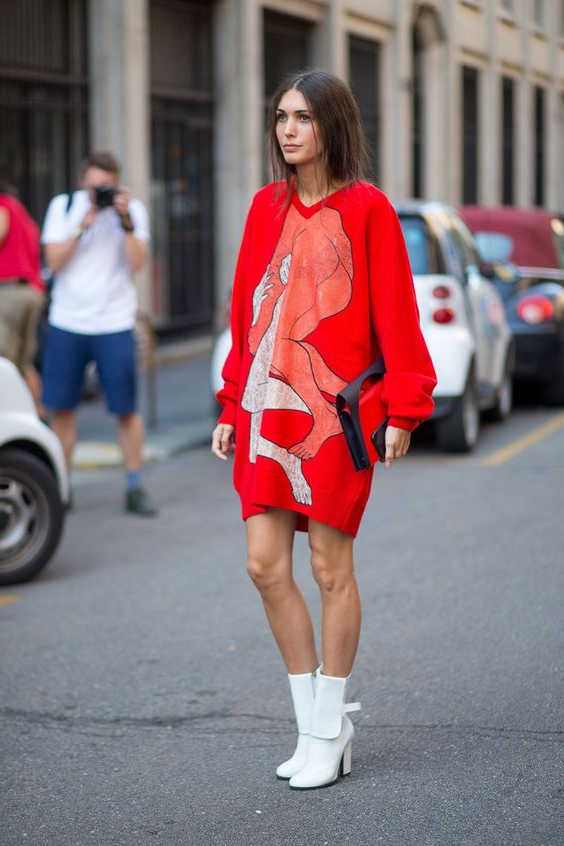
[{"x": 297, "y": 133}]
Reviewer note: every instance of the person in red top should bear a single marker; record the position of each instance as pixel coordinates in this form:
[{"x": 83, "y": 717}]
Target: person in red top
[
  {"x": 21, "y": 287},
  {"x": 322, "y": 288}
]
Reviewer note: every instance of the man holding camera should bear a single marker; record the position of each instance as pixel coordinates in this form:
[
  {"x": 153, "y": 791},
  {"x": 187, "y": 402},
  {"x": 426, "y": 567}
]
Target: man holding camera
[{"x": 95, "y": 239}]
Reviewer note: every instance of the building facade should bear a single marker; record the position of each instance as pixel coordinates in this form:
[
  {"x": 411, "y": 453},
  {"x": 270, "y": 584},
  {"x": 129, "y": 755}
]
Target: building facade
[{"x": 462, "y": 100}]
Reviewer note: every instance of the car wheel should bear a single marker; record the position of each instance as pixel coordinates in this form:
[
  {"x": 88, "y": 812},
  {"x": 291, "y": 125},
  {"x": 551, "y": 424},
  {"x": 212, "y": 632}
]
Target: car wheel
[
  {"x": 459, "y": 431},
  {"x": 31, "y": 515}
]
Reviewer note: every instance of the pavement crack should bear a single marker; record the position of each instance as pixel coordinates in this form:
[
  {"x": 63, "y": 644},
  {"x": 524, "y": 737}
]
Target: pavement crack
[
  {"x": 168, "y": 721},
  {"x": 264, "y": 723}
]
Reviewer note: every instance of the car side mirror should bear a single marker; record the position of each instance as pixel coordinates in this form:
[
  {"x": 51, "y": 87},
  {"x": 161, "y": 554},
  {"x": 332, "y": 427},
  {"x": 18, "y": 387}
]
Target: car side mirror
[{"x": 487, "y": 269}]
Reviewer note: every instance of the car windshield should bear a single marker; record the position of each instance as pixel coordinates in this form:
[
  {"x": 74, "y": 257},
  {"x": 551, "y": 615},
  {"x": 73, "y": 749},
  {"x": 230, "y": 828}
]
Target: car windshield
[
  {"x": 416, "y": 241},
  {"x": 494, "y": 246}
]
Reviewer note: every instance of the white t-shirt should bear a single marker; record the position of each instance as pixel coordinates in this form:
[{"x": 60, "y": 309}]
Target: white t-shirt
[{"x": 94, "y": 292}]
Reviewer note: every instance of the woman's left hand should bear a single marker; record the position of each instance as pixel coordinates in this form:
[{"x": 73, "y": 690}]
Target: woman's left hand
[{"x": 397, "y": 443}]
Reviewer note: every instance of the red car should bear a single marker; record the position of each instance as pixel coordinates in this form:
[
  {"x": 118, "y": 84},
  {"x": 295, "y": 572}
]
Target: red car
[{"x": 525, "y": 251}]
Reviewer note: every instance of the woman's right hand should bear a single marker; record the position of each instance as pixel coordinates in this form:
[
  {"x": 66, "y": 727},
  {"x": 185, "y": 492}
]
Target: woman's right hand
[{"x": 223, "y": 441}]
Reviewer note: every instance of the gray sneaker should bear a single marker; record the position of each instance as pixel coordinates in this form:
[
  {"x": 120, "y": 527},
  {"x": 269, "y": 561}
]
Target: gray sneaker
[{"x": 139, "y": 502}]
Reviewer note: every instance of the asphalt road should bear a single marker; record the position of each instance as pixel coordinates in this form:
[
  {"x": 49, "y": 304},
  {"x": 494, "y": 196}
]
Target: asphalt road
[{"x": 143, "y": 700}]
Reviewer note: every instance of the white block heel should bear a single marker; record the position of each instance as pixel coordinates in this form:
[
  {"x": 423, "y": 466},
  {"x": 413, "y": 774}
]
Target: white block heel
[
  {"x": 346, "y": 760},
  {"x": 330, "y": 744}
]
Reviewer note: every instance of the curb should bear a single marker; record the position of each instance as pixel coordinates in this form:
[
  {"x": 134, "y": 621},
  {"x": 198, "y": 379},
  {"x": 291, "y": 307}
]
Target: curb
[
  {"x": 179, "y": 351},
  {"x": 105, "y": 455}
]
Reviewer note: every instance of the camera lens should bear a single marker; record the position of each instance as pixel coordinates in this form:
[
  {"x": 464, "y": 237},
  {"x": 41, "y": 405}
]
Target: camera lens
[{"x": 104, "y": 196}]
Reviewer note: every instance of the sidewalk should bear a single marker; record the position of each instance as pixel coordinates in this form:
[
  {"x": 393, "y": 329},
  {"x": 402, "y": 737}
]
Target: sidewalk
[{"x": 184, "y": 411}]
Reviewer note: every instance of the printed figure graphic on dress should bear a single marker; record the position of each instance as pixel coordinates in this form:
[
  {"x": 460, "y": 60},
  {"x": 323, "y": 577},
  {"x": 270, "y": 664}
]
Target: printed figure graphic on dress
[{"x": 287, "y": 372}]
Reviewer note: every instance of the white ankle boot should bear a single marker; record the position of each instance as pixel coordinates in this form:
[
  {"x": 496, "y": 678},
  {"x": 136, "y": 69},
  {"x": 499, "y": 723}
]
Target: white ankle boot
[
  {"x": 329, "y": 747},
  {"x": 302, "y": 688}
]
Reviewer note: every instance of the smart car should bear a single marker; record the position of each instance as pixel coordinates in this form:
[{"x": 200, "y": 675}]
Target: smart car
[
  {"x": 463, "y": 322},
  {"x": 34, "y": 485}
]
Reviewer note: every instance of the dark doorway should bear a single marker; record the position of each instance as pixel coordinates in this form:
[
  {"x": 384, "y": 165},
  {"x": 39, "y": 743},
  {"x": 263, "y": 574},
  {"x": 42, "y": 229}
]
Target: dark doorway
[
  {"x": 507, "y": 140},
  {"x": 364, "y": 74},
  {"x": 286, "y": 50},
  {"x": 470, "y": 135},
  {"x": 539, "y": 143},
  {"x": 418, "y": 111},
  {"x": 286, "y": 47},
  {"x": 181, "y": 149}
]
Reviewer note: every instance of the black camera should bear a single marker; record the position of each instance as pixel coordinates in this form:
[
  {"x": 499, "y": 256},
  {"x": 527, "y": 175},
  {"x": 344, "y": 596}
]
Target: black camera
[{"x": 104, "y": 196}]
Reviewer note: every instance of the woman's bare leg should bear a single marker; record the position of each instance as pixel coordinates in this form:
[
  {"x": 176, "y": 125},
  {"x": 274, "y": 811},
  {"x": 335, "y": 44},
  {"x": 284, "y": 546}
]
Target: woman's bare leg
[
  {"x": 270, "y": 539},
  {"x": 333, "y": 570}
]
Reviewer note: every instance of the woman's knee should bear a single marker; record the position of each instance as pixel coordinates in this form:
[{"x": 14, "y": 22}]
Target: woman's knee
[
  {"x": 332, "y": 572},
  {"x": 267, "y": 573},
  {"x": 269, "y": 548}
]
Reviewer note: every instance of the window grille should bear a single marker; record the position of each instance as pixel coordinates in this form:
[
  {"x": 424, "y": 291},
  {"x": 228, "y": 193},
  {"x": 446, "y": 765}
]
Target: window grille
[
  {"x": 539, "y": 143},
  {"x": 364, "y": 65},
  {"x": 470, "y": 137},
  {"x": 181, "y": 166},
  {"x": 43, "y": 91},
  {"x": 508, "y": 139}
]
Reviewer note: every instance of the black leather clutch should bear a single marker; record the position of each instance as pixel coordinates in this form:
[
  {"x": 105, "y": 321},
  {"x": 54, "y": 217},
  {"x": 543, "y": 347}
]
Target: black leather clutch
[{"x": 363, "y": 416}]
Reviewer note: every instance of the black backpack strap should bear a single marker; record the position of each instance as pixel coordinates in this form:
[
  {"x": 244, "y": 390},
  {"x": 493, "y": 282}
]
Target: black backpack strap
[{"x": 50, "y": 280}]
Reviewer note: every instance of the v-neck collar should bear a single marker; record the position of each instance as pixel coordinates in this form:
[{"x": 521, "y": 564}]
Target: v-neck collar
[{"x": 309, "y": 211}]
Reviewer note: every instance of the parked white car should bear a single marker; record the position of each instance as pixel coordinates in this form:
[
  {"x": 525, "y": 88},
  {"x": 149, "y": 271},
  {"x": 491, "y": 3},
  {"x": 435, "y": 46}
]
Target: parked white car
[
  {"x": 463, "y": 322},
  {"x": 34, "y": 484},
  {"x": 462, "y": 319}
]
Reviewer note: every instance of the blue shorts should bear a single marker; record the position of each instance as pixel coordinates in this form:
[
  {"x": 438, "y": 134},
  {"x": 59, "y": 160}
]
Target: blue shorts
[{"x": 66, "y": 356}]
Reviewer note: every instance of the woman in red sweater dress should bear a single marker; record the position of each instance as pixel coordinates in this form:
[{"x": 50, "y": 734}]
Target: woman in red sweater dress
[{"x": 322, "y": 288}]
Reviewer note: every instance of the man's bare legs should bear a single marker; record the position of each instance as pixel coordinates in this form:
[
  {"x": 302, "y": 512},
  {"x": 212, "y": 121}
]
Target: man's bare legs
[
  {"x": 130, "y": 438},
  {"x": 33, "y": 382},
  {"x": 63, "y": 423},
  {"x": 270, "y": 538},
  {"x": 333, "y": 570}
]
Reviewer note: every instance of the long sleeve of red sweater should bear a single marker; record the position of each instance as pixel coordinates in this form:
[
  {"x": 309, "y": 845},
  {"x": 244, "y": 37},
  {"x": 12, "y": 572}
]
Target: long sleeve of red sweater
[
  {"x": 410, "y": 376},
  {"x": 228, "y": 396}
]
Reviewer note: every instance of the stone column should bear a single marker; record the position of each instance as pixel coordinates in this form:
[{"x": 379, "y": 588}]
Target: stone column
[
  {"x": 555, "y": 167},
  {"x": 330, "y": 40},
  {"x": 398, "y": 106},
  {"x": 451, "y": 125},
  {"x": 388, "y": 128},
  {"x": 554, "y": 172},
  {"x": 525, "y": 126},
  {"x": 489, "y": 157},
  {"x": 119, "y": 95},
  {"x": 239, "y": 115},
  {"x": 436, "y": 137}
]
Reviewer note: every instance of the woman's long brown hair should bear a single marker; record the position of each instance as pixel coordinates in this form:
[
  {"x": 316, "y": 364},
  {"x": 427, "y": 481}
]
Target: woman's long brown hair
[{"x": 336, "y": 112}]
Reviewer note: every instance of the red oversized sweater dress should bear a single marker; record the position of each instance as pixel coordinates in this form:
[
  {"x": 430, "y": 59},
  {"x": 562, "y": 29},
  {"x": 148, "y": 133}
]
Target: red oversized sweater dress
[{"x": 320, "y": 292}]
